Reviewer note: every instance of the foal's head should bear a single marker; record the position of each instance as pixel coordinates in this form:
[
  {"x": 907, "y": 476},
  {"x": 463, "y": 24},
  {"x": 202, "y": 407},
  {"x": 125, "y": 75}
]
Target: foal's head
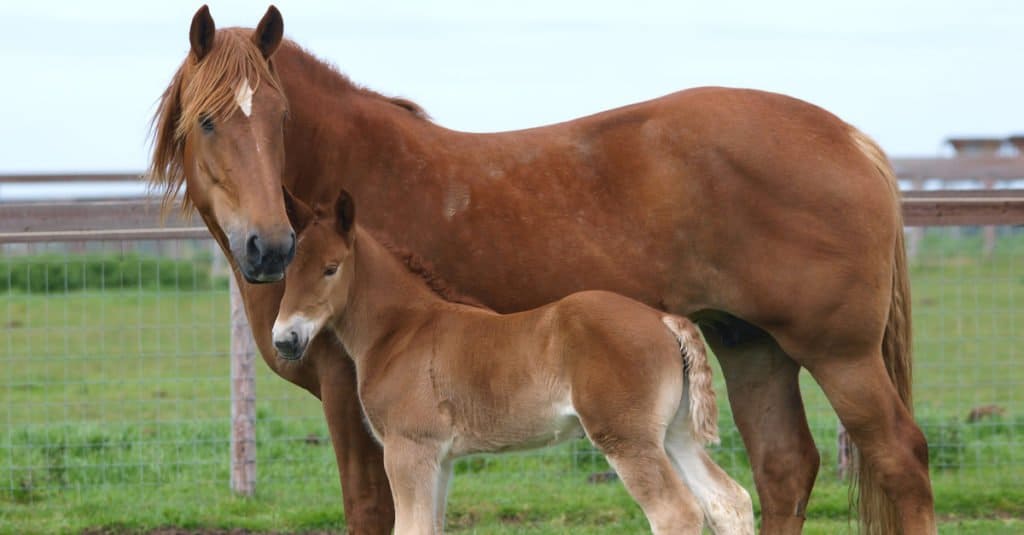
[
  {"x": 318, "y": 280},
  {"x": 220, "y": 131}
]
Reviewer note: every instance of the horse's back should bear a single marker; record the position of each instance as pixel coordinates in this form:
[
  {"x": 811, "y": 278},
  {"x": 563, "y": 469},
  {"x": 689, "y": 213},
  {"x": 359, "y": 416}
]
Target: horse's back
[{"x": 709, "y": 198}]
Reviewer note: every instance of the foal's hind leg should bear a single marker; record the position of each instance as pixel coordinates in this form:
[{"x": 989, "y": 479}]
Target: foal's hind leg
[
  {"x": 725, "y": 503},
  {"x": 650, "y": 478},
  {"x": 880, "y": 425},
  {"x": 635, "y": 448},
  {"x": 764, "y": 394}
]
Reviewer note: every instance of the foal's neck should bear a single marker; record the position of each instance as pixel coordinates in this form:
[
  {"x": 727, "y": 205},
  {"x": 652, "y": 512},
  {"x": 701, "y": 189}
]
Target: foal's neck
[{"x": 384, "y": 299}]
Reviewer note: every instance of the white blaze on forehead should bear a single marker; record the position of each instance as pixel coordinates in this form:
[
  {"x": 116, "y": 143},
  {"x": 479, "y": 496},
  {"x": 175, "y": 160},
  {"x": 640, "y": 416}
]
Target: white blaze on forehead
[{"x": 243, "y": 96}]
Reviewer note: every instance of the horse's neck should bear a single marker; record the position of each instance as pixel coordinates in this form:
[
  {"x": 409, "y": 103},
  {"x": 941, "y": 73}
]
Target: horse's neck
[
  {"x": 384, "y": 297},
  {"x": 339, "y": 134}
]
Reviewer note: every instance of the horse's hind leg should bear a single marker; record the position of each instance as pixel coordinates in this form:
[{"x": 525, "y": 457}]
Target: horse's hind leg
[
  {"x": 725, "y": 503},
  {"x": 764, "y": 394},
  {"x": 880, "y": 425}
]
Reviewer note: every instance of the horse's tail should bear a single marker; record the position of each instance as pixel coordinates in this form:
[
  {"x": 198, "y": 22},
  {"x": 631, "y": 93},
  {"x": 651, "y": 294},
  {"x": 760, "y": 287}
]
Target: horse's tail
[
  {"x": 877, "y": 512},
  {"x": 697, "y": 374}
]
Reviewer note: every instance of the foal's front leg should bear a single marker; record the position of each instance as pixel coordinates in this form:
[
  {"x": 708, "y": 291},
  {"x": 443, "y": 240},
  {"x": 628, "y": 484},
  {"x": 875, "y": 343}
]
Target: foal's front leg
[
  {"x": 441, "y": 498},
  {"x": 414, "y": 469}
]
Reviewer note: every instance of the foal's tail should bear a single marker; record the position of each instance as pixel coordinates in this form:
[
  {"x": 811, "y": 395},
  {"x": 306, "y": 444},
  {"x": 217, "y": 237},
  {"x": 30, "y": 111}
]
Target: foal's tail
[
  {"x": 877, "y": 512},
  {"x": 703, "y": 408}
]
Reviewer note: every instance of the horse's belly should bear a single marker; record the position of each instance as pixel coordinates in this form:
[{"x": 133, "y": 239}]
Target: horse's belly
[{"x": 519, "y": 430}]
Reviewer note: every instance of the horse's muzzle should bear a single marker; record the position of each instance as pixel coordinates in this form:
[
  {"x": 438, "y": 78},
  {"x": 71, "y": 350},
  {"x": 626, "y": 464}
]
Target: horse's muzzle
[{"x": 264, "y": 258}]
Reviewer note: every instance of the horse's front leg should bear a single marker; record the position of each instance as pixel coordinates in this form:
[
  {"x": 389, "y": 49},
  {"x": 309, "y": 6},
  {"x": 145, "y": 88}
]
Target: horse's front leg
[
  {"x": 365, "y": 490},
  {"x": 764, "y": 393}
]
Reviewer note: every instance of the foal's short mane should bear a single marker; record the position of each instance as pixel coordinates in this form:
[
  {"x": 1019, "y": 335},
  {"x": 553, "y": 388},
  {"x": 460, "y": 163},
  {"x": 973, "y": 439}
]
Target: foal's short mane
[
  {"x": 422, "y": 268},
  {"x": 211, "y": 92}
]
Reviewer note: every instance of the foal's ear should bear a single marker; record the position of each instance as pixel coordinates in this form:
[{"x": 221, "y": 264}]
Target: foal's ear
[
  {"x": 202, "y": 32},
  {"x": 300, "y": 215},
  {"x": 267, "y": 36},
  {"x": 344, "y": 212}
]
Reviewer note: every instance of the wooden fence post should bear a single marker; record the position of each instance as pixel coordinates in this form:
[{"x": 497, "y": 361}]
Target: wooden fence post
[
  {"x": 973, "y": 148},
  {"x": 914, "y": 234},
  {"x": 243, "y": 398}
]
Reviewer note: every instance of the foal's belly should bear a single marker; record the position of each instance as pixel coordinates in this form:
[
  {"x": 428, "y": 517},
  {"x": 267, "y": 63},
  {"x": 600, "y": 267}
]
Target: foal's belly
[{"x": 518, "y": 430}]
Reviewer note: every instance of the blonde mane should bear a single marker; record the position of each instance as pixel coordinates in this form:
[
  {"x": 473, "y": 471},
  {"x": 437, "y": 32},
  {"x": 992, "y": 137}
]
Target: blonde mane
[{"x": 210, "y": 92}]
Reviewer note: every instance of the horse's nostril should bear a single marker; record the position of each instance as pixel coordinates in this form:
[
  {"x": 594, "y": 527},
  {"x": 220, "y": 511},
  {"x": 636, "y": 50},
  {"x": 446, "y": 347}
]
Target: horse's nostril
[
  {"x": 291, "y": 248},
  {"x": 253, "y": 249},
  {"x": 294, "y": 338}
]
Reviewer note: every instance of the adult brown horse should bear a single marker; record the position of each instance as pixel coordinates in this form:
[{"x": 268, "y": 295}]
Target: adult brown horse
[{"x": 768, "y": 220}]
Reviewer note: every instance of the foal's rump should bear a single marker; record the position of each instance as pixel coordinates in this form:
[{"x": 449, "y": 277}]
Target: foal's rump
[{"x": 626, "y": 344}]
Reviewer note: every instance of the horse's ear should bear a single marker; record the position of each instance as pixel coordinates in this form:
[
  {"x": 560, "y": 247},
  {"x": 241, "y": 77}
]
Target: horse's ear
[
  {"x": 201, "y": 33},
  {"x": 300, "y": 215},
  {"x": 269, "y": 32},
  {"x": 344, "y": 212}
]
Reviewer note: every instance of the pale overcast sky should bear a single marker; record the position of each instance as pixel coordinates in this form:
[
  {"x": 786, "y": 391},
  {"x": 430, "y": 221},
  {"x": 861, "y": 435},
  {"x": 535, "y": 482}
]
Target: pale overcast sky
[{"x": 81, "y": 79}]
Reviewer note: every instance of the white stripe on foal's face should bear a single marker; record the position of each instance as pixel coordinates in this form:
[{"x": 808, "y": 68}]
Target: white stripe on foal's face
[{"x": 243, "y": 96}]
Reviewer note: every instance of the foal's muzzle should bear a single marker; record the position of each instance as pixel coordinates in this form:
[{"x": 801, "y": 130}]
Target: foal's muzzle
[{"x": 291, "y": 340}]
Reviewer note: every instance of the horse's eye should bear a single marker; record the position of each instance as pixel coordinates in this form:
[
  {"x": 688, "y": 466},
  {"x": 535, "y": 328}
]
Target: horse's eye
[
  {"x": 206, "y": 123},
  {"x": 330, "y": 270}
]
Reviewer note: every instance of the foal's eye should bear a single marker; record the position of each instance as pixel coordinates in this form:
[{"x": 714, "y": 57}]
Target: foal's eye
[
  {"x": 330, "y": 270},
  {"x": 206, "y": 123}
]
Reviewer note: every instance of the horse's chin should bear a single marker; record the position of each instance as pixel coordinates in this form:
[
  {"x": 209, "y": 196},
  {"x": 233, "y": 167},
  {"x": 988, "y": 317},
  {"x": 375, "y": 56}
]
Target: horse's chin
[{"x": 262, "y": 278}]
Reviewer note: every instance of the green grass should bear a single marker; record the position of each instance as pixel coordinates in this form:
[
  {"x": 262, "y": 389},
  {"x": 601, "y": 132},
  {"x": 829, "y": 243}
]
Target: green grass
[{"x": 115, "y": 414}]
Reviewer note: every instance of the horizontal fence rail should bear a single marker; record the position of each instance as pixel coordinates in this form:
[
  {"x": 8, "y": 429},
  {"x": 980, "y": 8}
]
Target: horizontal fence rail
[
  {"x": 968, "y": 167},
  {"x": 142, "y": 219},
  {"x": 963, "y": 207},
  {"x": 137, "y": 219},
  {"x": 956, "y": 168},
  {"x": 43, "y": 178},
  {"x": 89, "y": 215}
]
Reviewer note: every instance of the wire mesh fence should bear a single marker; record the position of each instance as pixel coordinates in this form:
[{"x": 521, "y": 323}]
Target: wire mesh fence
[
  {"x": 117, "y": 372},
  {"x": 116, "y": 377}
]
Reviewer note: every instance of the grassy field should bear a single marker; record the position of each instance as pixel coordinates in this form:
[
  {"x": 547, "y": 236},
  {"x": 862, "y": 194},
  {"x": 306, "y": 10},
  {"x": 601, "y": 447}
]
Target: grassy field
[{"x": 115, "y": 411}]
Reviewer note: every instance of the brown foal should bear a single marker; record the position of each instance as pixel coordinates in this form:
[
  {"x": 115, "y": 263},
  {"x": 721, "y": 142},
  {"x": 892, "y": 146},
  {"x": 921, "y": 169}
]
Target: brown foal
[{"x": 438, "y": 380}]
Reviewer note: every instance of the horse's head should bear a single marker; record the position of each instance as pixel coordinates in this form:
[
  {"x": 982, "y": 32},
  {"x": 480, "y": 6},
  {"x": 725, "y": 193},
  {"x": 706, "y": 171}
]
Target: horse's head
[
  {"x": 220, "y": 131},
  {"x": 320, "y": 276}
]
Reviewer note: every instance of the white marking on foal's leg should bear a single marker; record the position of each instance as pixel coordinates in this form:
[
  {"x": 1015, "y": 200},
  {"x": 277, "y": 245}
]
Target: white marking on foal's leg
[
  {"x": 243, "y": 97},
  {"x": 725, "y": 503},
  {"x": 441, "y": 498}
]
